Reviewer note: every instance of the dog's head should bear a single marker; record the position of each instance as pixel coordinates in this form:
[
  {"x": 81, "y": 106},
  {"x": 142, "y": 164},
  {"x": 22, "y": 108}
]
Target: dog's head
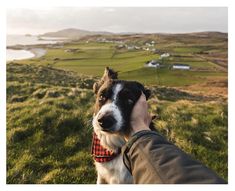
[{"x": 115, "y": 100}]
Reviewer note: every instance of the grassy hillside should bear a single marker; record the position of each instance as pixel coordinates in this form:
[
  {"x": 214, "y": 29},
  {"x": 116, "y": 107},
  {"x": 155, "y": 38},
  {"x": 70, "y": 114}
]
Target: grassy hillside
[
  {"x": 195, "y": 123},
  {"x": 49, "y": 128}
]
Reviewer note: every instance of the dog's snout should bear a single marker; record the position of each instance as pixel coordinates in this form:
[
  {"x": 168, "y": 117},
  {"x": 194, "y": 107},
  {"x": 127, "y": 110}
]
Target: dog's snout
[{"x": 106, "y": 121}]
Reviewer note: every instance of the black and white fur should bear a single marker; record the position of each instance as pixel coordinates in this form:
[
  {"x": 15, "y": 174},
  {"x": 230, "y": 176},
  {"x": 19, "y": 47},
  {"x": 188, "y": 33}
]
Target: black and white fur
[{"x": 114, "y": 102}]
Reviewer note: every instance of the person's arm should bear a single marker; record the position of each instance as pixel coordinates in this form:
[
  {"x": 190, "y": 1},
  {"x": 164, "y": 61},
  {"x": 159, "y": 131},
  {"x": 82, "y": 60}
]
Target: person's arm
[{"x": 152, "y": 159}]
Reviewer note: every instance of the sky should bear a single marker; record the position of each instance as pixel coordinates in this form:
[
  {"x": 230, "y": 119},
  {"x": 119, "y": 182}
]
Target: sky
[{"x": 117, "y": 19}]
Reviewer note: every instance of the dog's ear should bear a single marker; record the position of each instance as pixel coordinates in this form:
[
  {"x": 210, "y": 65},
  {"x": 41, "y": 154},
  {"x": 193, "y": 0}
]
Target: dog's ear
[
  {"x": 109, "y": 74},
  {"x": 96, "y": 87},
  {"x": 147, "y": 93}
]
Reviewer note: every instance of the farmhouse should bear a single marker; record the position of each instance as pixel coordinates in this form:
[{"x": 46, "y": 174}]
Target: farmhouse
[
  {"x": 147, "y": 49},
  {"x": 120, "y": 46},
  {"x": 165, "y": 55},
  {"x": 72, "y": 50},
  {"x": 181, "y": 67},
  {"x": 148, "y": 44},
  {"x": 152, "y": 64},
  {"x": 130, "y": 47}
]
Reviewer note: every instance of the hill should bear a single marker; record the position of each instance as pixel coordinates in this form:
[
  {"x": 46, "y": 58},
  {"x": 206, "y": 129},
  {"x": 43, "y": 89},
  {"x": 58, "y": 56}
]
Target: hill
[
  {"x": 49, "y": 130},
  {"x": 73, "y": 33},
  {"x": 48, "y": 126}
]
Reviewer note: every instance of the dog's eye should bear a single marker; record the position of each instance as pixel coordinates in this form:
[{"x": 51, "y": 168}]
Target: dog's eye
[
  {"x": 101, "y": 98},
  {"x": 125, "y": 93},
  {"x": 130, "y": 101}
]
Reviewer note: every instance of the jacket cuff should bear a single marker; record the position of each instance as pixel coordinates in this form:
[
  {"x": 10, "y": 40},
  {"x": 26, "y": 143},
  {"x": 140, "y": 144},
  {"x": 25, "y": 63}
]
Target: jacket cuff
[
  {"x": 136, "y": 136},
  {"x": 126, "y": 148}
]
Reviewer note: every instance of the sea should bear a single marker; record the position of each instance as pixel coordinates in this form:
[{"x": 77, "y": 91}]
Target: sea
[{"x": 26, "y": 40}]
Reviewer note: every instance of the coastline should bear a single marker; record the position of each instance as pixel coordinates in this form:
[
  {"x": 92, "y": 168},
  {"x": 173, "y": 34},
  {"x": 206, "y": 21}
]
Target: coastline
[
  {"x": 38, "y": 52},
  {"x": 27, "y": 53},
  {"x": 20, "y": 47}
]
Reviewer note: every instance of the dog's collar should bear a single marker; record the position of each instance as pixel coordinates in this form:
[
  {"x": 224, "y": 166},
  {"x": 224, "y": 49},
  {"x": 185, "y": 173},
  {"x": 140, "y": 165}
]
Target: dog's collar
[{"x": 101, "y": 154}]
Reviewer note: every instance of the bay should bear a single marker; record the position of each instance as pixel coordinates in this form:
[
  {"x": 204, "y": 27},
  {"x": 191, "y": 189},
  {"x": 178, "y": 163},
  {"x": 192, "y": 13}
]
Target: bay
[{"x": 27, "y": 40}]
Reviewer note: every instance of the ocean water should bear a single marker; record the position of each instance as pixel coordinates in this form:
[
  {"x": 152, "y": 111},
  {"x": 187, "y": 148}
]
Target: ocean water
[
  {"x": 29, "y": 40},
  {"x": 18, "y": 54},
  {"x": 26, "y": 40}
]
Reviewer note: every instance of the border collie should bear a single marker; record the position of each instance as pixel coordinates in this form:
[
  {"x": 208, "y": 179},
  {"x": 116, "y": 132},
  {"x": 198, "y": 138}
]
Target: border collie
[{"x": 114, "y": 103}]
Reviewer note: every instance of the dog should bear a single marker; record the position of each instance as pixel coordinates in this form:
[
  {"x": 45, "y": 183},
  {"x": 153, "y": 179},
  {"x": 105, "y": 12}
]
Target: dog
[{"x": 115, "y": 100}]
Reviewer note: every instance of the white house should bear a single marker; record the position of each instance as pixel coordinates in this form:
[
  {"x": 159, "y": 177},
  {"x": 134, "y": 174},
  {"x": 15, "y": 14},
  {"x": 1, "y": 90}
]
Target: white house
[
  {"x": 152, "y": 64},
  {"x": 147, "y": 49},
  {"x": 121, "y": 46},
  {"x": 181, "y": 67},
  {"x": 130, "y": 47},
  {"x": 165, "y": 55}
]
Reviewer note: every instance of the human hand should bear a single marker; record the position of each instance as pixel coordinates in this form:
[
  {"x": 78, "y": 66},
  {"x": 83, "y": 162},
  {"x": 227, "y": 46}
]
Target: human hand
[{"x": 140, "y": 118}]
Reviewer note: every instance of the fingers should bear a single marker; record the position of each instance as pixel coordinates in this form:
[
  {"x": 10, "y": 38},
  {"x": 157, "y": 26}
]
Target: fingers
[
  {"x": 140, "y": 118},
  {"x": 141, "y": 103},
  {"x": 142, "y": 100},
  {"x": 142, "y": 97}
]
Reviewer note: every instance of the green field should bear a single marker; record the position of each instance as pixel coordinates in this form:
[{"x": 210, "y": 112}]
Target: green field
[
  {"x": 50, "y": 104},
  {"x": 92, "y": 58}
]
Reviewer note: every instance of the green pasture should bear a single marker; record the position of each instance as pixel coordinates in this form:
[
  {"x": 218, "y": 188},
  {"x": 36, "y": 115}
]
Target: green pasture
[{"x": 92, "y": 58}]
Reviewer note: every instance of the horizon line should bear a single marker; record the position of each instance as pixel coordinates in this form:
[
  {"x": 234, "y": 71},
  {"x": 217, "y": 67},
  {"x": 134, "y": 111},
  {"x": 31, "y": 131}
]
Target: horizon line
[{"x": 123, "y": 33}]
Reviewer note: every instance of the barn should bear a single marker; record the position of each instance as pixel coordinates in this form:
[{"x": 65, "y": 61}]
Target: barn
[{"x": 181, "y": 67}]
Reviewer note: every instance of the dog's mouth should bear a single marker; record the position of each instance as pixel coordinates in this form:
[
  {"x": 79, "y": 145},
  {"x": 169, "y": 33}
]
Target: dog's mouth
[{"x": 111, "y": 130}]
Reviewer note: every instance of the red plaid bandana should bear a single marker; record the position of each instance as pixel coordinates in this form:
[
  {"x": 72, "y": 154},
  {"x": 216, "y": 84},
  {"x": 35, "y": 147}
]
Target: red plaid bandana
[{"x": 101, "y": 154}]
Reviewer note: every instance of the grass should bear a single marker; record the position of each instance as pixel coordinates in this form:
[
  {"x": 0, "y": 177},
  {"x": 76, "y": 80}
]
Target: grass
[
  {"x": 197, "y": 124},
  {"x": 167, "y": 77},
  {"x": 199, "y": 128},
  {"x": 48, "y": 136},
  {"x": 187, "y": 49}
]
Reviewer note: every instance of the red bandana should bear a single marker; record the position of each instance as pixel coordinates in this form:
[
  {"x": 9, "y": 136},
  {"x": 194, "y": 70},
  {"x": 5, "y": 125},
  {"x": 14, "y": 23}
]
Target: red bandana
[{"x": 100, "y": 153}]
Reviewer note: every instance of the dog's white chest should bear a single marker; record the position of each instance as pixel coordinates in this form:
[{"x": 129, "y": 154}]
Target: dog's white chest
[{"x": 113, "y": 172}]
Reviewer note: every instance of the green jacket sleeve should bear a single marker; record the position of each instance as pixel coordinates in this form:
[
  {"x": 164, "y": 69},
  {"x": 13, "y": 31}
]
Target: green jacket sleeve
[{"x": 152, "y": 159}]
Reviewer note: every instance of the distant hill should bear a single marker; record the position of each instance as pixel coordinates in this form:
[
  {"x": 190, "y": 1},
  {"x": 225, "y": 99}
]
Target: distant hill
[
  {"x": 74, "y": 33},
  {"x": 79, "y": 33}
]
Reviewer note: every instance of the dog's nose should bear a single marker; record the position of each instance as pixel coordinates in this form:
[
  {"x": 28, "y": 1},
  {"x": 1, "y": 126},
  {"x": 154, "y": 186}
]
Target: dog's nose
[{"x": 106, "y": 121}]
